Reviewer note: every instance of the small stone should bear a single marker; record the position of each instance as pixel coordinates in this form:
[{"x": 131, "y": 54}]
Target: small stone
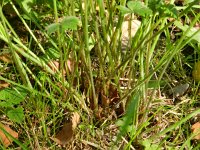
[
  {"x": 179, "y": 90},
  {"x": 135, "y": 24}
]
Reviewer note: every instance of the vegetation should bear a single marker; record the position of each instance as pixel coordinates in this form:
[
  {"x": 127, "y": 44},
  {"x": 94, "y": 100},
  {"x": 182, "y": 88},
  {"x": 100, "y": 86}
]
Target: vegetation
[{"x": 100, "y": 74}]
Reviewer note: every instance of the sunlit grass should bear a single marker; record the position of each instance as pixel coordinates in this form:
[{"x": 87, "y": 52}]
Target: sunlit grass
[{"x": 94, "y": 51}]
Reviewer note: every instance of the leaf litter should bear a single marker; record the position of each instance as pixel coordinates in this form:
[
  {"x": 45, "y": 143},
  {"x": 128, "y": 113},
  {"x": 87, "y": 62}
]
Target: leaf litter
[
  {"x": 65, "y": 135},
  {"x": 4, "y": 84},
  {"x": 69, "y": 127},
  {"x": 7, "y": 135},
  {"x": 196, "y": 130}
]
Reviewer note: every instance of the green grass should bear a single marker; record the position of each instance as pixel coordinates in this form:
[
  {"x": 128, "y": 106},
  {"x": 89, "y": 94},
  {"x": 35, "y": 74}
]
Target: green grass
[{"x": 140, "y": 114}]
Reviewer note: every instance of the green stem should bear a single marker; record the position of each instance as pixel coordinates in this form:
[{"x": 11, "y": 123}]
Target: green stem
[
  {"x": 15, "y": 56},
  {"x": 88, "y": 59}
]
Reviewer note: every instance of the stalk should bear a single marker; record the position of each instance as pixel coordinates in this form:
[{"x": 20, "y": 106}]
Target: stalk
[
  {"x": 15, "y": 56},
  {"x": 88, "y": 59}
]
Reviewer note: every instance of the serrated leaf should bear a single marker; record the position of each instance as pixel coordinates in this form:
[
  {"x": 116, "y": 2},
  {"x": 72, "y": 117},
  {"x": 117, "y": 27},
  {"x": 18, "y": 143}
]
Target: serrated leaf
[
  {"x": 69, "y": 22},
  {"x": 14, "y": 96},
  {"x": 124, "y": 10},
  {"x": 16, "y": 114},
  {"x": 139, "y": 8},
  {"x": 52, "y": 28}
]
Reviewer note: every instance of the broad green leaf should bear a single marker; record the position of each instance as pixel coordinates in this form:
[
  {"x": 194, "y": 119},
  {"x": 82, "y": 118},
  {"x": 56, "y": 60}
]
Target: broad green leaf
[
  {"x": 139, "y": 8},
  {"x": 146, "y": 143},
  {"x": 52, "y": 28},
  {"x": 149, "y": 146},
  {"x": 129, "y": 129},
  {"x": 27, "y": 5},
  {"x": 69, "y": 22},
  {"x": 4, "y": 2},
  {"x": 5, "y": 104},
  {"x": 188, "y": 1},
  {"x": 167, "y": 10},
  {"x": 16, "y": 114},
  {"x": 14, "y": 96},
  {"x": 124, "y": 10},
  {"x": 130, "y": 116},
  {"x": 154, "y": 4},
  {"x": 155, "y": 84},
  {"x": 196, "y": 37}
]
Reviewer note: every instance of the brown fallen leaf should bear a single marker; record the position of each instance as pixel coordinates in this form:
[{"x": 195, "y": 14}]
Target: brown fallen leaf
[
  {"x": 105, "y": 101},
  {"x": 6, "y": 58},
  {"x": 64, "y": 135},
  {"x": 55, "y": 66},
  {"x": 109, "y": 96},
  {"x": 7, "y": 140},
  {"x": 196, "y": 130},
  {"x": 67, "y": 131},
  {"x": 99, "y": 112},
  {"x": 3, "y": 84}
]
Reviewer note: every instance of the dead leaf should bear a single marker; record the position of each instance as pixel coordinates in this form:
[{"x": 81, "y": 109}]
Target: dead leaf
[
  {"x": 110, "y": 97},
  {"x": 55, "y": 66},
  {"x": 99, "y": 112},
  {"x": 196, "y": 130},
  {"x": 113, "y": 91},
  {"x": 7, "y": 140},
  {"x": 67, "y": 131},
  {"x": 120, "y": 109},
  {"x": 6, "y": 58},
  {"x": 3, "y": 84},
  {"x": 105, "y": 101},
  {"x": 70, "y": 65},
  {"x": 64, "y": 135}
]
